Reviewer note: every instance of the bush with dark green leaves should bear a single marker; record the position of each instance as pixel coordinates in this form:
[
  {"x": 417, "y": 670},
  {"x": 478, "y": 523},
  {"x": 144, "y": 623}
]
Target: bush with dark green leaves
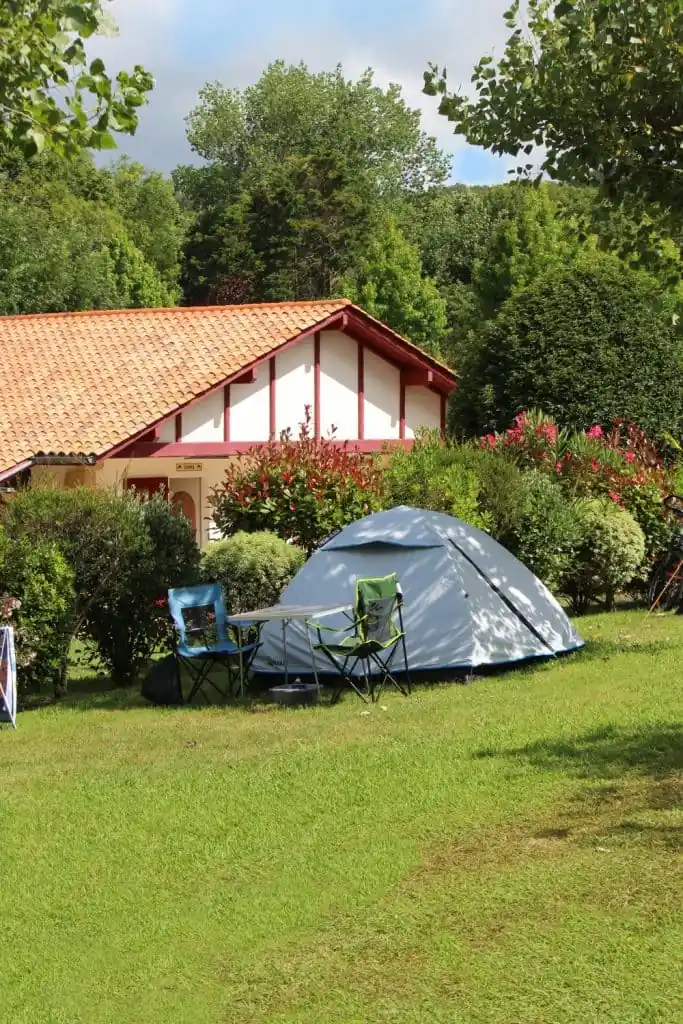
[
  {"x": 609, "y": 550},
  {"x": 253, "y": 568},
  {"x": 130, "y": 621},
  {"x": 124, "y": 552},
  {"x": 436, "y": 476},
  {"x": 547, "y": 531},
  {"x": 587, "y": 343},
  {"x": 36, "y": 597}
]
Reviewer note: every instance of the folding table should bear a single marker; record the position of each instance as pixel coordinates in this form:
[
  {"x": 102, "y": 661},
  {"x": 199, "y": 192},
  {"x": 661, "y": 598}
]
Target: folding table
[{"x": 286, "y": 613}]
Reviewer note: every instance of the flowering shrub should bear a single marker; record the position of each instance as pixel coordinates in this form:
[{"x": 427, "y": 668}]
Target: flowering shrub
[{"x": 301, "y": 489}]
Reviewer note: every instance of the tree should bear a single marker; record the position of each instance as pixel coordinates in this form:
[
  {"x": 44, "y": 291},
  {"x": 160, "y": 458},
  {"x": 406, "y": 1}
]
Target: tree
[
  {"x": 389, "y": 284},
  {"x": 46, "y": 83},
  {"x": 62, "y": 252},
  {"x": 300, "y": 166},
  {"x": 482, "y": 244},
  {"x": 597, "y": 85},
  {"x": 154, "y": 219},
  {"x": 587, "y": 343}
]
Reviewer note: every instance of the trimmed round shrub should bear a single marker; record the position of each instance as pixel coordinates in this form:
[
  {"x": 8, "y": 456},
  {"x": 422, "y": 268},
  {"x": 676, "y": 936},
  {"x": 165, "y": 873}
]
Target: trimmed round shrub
[
  {"x": 547, "y": 531},
  {"x": 610, "y": 548},
  {"x": 587, "y": 343},
  {"x": 253, "y": 568}
]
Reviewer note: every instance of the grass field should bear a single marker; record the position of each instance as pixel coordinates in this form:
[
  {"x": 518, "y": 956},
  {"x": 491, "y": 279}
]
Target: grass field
[{"x": 507, "y": 852}]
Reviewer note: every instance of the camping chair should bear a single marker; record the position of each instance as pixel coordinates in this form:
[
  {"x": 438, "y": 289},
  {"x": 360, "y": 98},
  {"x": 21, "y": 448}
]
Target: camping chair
[
  {"x": 374, "y": 641},
  {"x": 199, "y": 614}
]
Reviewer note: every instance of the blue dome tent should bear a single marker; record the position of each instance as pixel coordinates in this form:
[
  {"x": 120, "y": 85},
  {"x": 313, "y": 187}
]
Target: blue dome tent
[{"x": 467, "y": 601}]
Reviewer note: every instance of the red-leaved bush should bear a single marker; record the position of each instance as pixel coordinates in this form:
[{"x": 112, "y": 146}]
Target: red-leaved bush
[{"x": 299, "y": 488}]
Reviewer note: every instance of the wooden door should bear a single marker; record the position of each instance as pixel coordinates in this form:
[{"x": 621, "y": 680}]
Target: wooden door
[
  {"x": 184, "y": 505},
  {"x": 149, "y": 485}
]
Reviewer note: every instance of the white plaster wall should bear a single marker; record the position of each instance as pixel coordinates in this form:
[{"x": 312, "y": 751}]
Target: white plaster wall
[
  {"x": 294, "y": 386},
  {"x": 423, "y": 409},
  {"x": 167, "y": 431},
  {"x": 382, "y": 387},
  {"x": 250, "y": 408},
  {"x": 338, "y": 385},
  {"x": 203, "y": 421}
]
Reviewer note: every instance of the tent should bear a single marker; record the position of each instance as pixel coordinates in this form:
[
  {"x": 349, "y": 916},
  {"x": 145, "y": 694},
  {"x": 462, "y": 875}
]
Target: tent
[{"x": 467, "y": 601}]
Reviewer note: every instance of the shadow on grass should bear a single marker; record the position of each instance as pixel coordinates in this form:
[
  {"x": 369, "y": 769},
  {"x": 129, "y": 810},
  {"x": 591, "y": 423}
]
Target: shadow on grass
[{"x": 654, "y": 750}]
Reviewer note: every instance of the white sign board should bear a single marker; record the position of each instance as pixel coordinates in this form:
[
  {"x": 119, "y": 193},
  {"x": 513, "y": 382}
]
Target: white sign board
[{"x": 8, "y": 677}]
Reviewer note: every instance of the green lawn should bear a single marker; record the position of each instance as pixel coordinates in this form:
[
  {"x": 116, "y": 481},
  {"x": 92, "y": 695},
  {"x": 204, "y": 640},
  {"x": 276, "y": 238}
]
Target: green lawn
[{"x": 506, "y": 852}]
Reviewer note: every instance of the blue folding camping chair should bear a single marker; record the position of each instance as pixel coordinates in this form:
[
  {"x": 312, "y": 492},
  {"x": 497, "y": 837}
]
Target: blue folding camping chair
[{"x": 201, "y": 639}]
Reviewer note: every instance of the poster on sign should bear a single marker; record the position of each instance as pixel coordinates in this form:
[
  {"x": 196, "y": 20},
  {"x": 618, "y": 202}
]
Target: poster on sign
[{"x": 8, "y": 677}]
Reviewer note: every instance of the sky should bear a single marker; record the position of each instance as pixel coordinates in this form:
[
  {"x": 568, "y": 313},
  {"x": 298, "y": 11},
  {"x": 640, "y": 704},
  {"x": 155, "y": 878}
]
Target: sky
[{"x": 185, "y": 43}]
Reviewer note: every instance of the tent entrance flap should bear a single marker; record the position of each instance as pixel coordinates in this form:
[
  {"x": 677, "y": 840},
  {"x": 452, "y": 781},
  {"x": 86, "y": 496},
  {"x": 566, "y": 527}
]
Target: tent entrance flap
[{"x": 504, "y": 598}]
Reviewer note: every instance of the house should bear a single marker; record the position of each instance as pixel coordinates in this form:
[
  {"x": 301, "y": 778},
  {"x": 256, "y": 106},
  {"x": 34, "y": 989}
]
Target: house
[{"x": 163, "y": 397}]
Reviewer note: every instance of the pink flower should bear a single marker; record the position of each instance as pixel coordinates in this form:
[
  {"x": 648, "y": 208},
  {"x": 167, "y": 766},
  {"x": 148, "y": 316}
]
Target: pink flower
[
  {"x": 595, "y": 466},
  {"x": 630, "y": 457},
  {"x": 595, "y": 431},
  {"x": 558, "y": 467},
  {"x": 616, "y": 498},
  {"x": 489, "y": 441}
]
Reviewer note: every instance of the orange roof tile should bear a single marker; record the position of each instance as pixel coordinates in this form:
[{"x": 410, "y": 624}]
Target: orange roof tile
[{"x": 85, "y": 382}]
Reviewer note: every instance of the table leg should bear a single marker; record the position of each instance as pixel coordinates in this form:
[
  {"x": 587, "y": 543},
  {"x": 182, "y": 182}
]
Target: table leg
[
  {"x": 284, "y": 648},
  {"x": 315, "y": 670}
]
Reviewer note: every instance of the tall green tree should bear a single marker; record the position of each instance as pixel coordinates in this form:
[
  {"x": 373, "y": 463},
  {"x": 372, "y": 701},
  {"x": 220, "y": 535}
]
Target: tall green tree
[
  {"x": 587, "y": 343},
  {"x": 62, "y": 252},
  {"x": 596, "y": 84},
  {"x": 50, "y": 95},
  {"x": 388, "y": 283},
  {"x": 300, "y": 167}
]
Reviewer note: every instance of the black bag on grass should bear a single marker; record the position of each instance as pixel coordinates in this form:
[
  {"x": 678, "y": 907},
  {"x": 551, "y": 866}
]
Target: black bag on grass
[{"x": 161, "y": 685}]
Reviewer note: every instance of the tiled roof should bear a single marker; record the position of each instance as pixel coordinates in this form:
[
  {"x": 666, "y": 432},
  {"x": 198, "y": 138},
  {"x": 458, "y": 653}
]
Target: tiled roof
[{"x": 85, "y": 382}]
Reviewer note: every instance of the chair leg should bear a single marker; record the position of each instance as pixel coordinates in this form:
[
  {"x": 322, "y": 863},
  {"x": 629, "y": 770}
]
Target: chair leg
[{"x": 346, "y": 676}]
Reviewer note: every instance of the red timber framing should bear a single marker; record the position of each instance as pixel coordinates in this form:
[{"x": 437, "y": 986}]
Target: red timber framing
[
  {"x": 361, "y": 391},
  {"x": 272, "y": 406},
  {"x": 417, "y": 368},
  {"x": 316, "y": 384}
]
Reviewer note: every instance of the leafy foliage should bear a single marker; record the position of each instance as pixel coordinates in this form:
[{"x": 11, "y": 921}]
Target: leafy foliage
[
  {"x": 253, "y": 568},
  {"x": 300, "y": 166},
  {"x": 547, "y": 531},
  {"x": 123, "y": 552},
  {"x": 434, "y": 475},
  {"x": 60, "y": 251},
  {"x": 596, "y": 85},
  {"x": 300, "y": 489},
  {"x": 610, "y": 548},
  {"x": 50, "y": 96},
  {"x": 37, "y": 588},
  {"x": 589, "y": 344},
  {"x": 130, "y": 620},
  {"x": 388, "y": 283}
]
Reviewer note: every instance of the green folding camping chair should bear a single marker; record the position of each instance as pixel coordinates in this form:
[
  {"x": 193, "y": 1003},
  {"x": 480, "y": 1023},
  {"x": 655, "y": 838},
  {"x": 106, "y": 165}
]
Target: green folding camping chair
[{"x": 376, "y": 634}]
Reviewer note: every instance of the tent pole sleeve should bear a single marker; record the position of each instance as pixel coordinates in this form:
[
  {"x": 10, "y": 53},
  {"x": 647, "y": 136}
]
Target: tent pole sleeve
[{"x": 506, "y": 600}]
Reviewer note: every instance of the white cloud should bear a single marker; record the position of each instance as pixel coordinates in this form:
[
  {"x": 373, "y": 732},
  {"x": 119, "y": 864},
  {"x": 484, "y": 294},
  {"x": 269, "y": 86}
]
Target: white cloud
[{"x": 154, "y": 33}]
